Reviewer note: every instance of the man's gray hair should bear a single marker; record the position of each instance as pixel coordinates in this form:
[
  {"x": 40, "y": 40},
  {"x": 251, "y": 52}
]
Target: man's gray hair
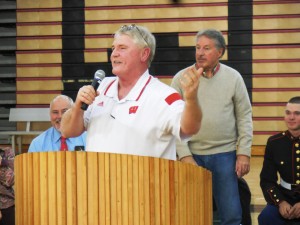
[
  {"x": 214, "y": 35},
  {"x": 65, "y": 97},
  {"x": 142, "y": 36}
]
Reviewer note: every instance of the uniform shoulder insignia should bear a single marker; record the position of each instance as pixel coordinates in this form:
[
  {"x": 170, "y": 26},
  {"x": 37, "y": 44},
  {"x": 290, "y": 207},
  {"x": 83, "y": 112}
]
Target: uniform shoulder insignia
[{"x": 277, "y": 136}]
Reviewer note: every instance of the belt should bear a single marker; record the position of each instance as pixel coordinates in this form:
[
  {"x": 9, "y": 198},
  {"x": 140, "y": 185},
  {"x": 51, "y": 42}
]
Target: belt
[{"x": 287, "y": 185}]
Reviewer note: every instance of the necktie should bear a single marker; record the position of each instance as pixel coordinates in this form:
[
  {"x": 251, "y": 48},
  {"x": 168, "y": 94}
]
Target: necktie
[{"x": 63, "y": 144}]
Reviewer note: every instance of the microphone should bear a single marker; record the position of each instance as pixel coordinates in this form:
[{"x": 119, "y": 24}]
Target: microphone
[{"x": 98, "y": 77}]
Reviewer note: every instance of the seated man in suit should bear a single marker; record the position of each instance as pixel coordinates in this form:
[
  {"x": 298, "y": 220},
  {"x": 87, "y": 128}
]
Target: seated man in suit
[{"x": 51, "y": 139}]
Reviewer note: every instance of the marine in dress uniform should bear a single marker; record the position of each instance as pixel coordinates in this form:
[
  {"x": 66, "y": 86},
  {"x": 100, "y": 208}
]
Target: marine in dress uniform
[{"x": 280, "y": 177}]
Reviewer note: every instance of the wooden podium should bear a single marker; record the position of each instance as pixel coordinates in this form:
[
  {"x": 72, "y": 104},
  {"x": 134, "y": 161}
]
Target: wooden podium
[{"x": 89, "y": 188}]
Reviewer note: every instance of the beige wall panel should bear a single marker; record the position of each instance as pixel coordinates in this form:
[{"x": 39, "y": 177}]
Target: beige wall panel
[
  {"x": 268, "y": 111},
  {"x": 26, "y": 140},
  {"x": 185, "y": 41},
  {"x": 276, "y": 53},
  {"x": 150, "y": 13},
  {"x": 167, "y": 81},
  {"x": 276, "y": 38},
  {"x": 276, "y": 23},
  {"x": 273, "y": 125},
  {"x": 260, "y": 139},
  {"x": 34, "y": 126},
  {"x": 36, "y": 58},
  {"x": 39, "y": 44},
  {"x": 91, "y": 42},
  {"x": 39, "y": 30},
  {"x": 139, "y": 2},
  {"x": 105, "y": 42},
  {"x": 258, "y": 150},
  {"x": 35, "y": 99},
  {"x": 90, "y": 57},
  {"x": 280, "y": 96},
  {"x": 40, "y": 85},
  {"x": 25, "y": 4},
  {"x": 276, "y": 82},
  {"x": 188, "y": 41},
  {"x": 41, "y": 16},
  {"x": 39, "y": 71},
  {"x": 276, "y": 9},
  {"x": 276, "y": 67},
  {"x": 160, "y": 27}
]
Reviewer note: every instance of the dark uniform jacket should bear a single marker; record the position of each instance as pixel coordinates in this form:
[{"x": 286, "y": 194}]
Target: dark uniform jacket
[{"x": 282, "y": 156}]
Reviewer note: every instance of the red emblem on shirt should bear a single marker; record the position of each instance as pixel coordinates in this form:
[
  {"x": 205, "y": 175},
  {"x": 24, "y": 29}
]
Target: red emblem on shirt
[
  {"x": 100, "y": 103},
  {"x": 172, "y": 98},
  {"x": 133, "y": 109}
]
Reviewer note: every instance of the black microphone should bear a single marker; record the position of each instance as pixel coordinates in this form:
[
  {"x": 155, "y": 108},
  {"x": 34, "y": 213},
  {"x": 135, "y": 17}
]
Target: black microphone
[{"x": 98, "y": 77}]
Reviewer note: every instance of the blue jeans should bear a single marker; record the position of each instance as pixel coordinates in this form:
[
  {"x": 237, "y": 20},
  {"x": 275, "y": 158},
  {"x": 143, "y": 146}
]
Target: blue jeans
[
  {"x": 225, "y": 185},
  {"x": 270, "y": 216}
]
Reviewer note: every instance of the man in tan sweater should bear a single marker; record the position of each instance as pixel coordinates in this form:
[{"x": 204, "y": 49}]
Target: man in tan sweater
[{"x": 223, "y": 144}]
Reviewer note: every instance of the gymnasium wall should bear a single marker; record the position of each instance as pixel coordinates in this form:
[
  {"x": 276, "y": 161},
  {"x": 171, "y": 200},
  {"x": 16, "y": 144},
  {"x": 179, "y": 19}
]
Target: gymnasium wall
[{"x": 60, "y": 44}]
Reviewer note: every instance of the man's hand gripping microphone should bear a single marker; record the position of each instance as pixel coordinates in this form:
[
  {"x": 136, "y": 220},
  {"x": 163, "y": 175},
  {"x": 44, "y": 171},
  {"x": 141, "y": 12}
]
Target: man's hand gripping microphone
[{"x": 98, "y": 77}]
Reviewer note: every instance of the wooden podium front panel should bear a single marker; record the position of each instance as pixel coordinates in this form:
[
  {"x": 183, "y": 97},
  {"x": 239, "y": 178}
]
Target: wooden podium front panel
[{"x": 89, "y": 188}]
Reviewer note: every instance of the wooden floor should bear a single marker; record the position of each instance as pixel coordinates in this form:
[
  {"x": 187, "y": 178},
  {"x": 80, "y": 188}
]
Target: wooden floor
[
  {"x": 257, "y": 200},
  {"x": 252, "y": 179}
]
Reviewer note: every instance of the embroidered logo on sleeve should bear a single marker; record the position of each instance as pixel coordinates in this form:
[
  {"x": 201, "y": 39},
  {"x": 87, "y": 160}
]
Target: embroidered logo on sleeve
[
  {"x": 100, "y": 103},
  {"x": 172, "y": 98},
  {"x": 133, "y": 109}
]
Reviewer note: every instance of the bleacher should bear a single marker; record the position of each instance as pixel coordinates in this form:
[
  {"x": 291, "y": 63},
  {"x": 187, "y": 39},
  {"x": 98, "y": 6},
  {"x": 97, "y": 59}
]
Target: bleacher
[{"x": 7, "y": 66}]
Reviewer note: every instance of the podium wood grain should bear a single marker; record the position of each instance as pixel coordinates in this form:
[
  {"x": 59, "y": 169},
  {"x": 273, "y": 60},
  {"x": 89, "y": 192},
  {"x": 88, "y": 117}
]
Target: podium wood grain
[{"x": 88, "y": 188}]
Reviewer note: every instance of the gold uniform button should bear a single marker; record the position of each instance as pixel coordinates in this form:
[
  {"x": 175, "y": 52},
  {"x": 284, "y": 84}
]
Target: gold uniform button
[
  {"x": 297, "y": 145},
  {"x": 298, "y": 151},
  {"x": 275, "y": 196},
  {"x": 298, "y": 167},
  {"x": 281, "y": 162},
  {"x": 298, "y": 182},
  {"x": 297, "y": 159},
  {"x": 298, "y": 174},
  {"x": 277, "y": 200}
]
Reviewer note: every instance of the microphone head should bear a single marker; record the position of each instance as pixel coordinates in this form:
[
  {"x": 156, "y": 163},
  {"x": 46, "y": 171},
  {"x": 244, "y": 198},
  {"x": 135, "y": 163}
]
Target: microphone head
[{"x": 99, "y": 75}]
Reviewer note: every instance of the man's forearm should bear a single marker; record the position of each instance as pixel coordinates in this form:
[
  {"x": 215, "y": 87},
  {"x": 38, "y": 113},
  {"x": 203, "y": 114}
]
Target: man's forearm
[
  {"x": 72, "y": 124},
  {"x": 191, "y": 117}
]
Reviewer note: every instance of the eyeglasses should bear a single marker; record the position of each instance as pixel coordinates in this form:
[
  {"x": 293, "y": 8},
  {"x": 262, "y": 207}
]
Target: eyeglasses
[{"x": 131, "y": 27}]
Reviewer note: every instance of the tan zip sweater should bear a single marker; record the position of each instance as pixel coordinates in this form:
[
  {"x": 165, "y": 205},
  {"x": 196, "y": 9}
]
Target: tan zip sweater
[{"x": 227, "y": 115}]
